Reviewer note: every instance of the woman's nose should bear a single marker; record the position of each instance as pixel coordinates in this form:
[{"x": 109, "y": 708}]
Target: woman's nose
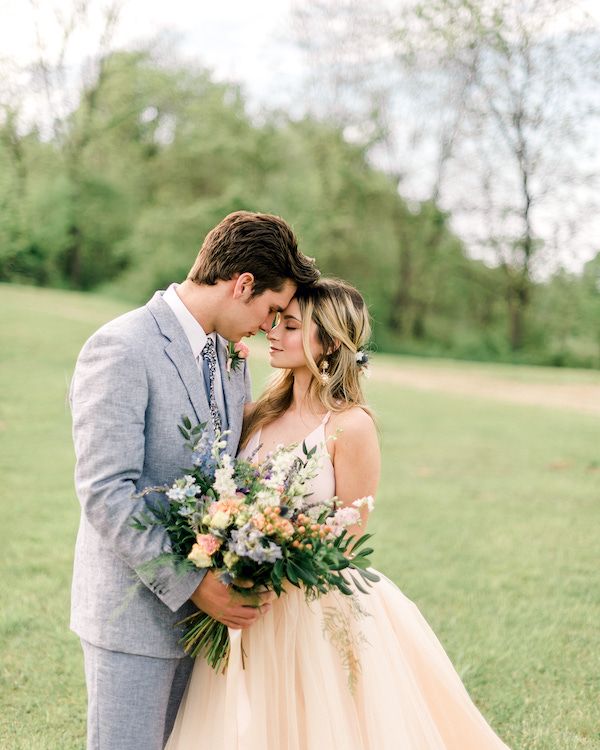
[{"x": 273, "y": 321}]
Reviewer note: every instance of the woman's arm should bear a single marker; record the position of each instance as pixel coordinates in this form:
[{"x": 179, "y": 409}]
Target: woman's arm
[{"x": 356, "y": 461}]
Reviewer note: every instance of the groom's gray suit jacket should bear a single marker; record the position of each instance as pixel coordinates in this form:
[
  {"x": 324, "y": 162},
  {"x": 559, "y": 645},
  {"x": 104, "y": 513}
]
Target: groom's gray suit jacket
[{"x": 134, "y": 379}]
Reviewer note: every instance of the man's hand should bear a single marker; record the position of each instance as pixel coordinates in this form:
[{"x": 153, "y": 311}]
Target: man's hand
[{"x": 227, "y": 606}]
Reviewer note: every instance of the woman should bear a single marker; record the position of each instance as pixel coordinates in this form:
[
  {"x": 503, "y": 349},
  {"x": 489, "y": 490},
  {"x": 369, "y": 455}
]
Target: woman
[{"x": 355, "y": 673}]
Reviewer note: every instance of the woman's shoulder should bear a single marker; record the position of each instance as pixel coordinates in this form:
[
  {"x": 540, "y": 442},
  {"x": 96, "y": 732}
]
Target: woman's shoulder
[
  {"x": 353, "y": 422},
  {"x": 356, "y": 443}
]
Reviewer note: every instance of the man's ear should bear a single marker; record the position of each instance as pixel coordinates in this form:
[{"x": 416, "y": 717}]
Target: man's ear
[{"x": 243, "y": 287}]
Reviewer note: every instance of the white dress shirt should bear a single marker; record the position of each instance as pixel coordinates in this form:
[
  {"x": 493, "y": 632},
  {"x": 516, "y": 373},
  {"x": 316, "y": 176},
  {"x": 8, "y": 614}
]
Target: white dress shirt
[{"x": 197, "y": 338}]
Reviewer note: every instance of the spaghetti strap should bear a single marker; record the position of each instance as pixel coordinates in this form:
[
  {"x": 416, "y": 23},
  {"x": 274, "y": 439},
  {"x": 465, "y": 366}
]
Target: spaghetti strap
[{"x": 326, "y": 418}]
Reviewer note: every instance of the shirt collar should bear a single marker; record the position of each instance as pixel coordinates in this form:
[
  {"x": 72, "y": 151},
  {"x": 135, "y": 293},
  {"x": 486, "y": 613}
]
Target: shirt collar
[{"x": 192, "y": 329}]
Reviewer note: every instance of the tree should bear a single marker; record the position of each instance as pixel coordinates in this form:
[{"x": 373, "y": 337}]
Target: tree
[
  {"x": 61, "y": 132},
  {"x": 512, "y": 92}
]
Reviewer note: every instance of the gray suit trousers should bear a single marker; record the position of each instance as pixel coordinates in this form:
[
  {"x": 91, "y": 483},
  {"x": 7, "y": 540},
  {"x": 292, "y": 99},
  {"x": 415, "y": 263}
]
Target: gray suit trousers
[{"x": 132, "y": 700}]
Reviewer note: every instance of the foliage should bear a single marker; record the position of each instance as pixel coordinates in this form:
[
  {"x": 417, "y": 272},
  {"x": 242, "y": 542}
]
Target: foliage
[{"x": 155, "y": 154}]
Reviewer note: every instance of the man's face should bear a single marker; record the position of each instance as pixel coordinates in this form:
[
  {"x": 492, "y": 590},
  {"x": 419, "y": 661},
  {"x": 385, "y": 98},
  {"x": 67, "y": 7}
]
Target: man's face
[{"x": 257, "y": 313}]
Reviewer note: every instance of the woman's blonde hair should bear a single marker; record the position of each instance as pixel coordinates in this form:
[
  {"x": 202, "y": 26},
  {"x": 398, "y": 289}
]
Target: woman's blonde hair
[{"x": 343, "y": 329}]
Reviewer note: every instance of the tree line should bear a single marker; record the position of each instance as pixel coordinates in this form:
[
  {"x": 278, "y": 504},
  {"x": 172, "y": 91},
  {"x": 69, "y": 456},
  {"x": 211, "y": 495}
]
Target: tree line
[{"x": 118, "y": 193}]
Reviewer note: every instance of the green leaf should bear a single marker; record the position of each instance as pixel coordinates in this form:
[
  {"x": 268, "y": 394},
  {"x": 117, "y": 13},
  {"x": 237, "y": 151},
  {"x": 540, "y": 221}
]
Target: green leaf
[
  {"x": 186, "y": 422},
  {"x": 361, "y": 541},
  {"x": 369, "y": 575},
  {"x": 302, "y": 572},
  {"x": 290, "y": 574},
  {"x": 341, "y": 584},
  {"x": 362, "y": 554},
  {"x": 358, "y": 585}
]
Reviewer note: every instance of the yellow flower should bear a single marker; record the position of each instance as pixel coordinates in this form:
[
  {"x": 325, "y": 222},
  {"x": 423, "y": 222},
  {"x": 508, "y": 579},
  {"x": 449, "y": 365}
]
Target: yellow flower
[
  {"x": 220, "y": 520},
  {"x": 230, "y": 559},
  {"x": 199, "y": 557}
]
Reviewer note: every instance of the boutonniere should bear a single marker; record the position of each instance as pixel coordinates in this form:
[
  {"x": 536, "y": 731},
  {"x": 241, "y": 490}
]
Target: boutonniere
[{"x": 236, "y": 352}]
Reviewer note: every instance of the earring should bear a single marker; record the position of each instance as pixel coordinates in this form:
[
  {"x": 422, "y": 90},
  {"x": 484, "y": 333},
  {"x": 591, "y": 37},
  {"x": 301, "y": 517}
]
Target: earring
[{"x": 324, "y": 375}]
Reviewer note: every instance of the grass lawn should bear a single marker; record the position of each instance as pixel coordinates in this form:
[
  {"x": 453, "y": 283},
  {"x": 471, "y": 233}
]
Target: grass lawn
[{"x": 487, "y": 518}]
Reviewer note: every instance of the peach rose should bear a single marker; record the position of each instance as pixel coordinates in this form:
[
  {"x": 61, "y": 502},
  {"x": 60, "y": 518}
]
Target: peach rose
[{"x": 208, "y": 543}]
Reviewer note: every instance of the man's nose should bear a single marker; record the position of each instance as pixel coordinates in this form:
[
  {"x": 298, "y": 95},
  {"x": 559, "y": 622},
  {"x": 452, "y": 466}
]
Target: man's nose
[{"x": 267, "y": 323}]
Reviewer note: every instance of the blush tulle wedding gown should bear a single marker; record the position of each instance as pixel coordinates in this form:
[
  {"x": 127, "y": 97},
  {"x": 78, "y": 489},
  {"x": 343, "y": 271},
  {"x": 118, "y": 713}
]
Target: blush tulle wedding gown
[{"x": 367, "y": 674}]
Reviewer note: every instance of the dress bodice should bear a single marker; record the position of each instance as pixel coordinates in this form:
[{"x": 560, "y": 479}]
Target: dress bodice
[{"x": 323, "y": 483}]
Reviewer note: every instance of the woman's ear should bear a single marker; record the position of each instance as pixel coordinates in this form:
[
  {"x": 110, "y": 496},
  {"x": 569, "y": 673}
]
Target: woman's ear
[
  {"x": 335, "y": 346},
  {"x": 244, "y": 284}
]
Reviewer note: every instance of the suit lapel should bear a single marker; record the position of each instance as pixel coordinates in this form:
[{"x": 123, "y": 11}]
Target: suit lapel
[
  {"x": 179, "y": 352},
  {"x": 231, "y": 395}
]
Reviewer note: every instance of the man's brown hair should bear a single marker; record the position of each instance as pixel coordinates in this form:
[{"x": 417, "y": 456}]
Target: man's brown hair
[{"x": 261, "y": 244}]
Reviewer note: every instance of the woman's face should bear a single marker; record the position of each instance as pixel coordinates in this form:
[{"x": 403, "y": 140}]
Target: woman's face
[{"x": 285, "y": 339}]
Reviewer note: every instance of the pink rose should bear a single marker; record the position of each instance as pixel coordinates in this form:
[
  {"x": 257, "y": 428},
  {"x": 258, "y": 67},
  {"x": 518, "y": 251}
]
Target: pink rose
[
  {"x": 241, "y": 349},
  {"x": 236, "y": 352},
  {"x": 208, "y": 543}
]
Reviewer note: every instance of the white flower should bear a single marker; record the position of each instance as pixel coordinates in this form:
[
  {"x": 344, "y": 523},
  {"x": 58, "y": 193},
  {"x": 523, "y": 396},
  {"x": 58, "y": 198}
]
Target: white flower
[
  {"x": 300, "y": 485},
  {"x": 182, "y": 488},
  {"x": 176, "y": 493},
  {"x": 281, "y": 465},
  {"x": 219, "y": 445},
  {"x": 342, "y": 518},
  {"x": 362, "y": 501},
  {"x": 266, "y": 498},
  {"x": 224, "y": 484},
  {"x": 314, "y": 512}
]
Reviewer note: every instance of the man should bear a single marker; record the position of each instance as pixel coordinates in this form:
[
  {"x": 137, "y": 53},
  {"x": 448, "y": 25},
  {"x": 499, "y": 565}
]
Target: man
[{"x": 133, "y": 381}]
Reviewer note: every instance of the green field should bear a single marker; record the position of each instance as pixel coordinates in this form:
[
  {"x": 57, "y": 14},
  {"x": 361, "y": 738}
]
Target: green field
[{"x": 488, "y": 518}]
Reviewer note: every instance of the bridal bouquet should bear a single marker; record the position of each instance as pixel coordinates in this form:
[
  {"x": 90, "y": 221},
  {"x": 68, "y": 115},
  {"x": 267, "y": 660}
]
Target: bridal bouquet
[{"x": 249, "y": 521}]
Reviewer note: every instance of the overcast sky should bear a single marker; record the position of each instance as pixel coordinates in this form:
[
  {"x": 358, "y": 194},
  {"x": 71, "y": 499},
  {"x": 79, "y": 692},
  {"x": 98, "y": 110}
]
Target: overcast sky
[{"x": 248, "y": 42}]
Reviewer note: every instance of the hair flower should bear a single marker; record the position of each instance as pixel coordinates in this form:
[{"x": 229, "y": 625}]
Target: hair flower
[
  {"x": 362, "y": 358},
  {"x": 362, "y": 361}
]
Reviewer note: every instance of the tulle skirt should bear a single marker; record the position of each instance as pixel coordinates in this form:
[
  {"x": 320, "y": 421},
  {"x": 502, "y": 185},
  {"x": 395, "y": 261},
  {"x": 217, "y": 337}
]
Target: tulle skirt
[{"x": 354, "y": 673}]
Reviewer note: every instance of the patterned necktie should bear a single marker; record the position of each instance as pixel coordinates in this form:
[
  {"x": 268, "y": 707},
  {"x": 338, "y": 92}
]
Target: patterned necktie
[{"x": 209, "y": 357}]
